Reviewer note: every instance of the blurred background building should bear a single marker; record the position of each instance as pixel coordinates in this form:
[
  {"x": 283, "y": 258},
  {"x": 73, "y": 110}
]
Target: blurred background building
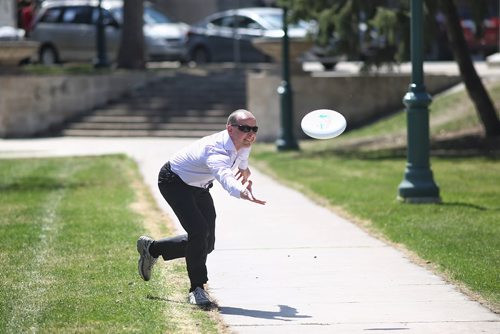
[{"x": 7, "y": 13}]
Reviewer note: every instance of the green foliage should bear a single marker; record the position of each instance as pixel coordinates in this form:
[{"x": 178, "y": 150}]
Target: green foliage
[
  {"x": 345, "y": 23},
  {"x": 394, "y": 26},
  {"x": 375, "y": 31},
  {"x": 360, "y": 29}
]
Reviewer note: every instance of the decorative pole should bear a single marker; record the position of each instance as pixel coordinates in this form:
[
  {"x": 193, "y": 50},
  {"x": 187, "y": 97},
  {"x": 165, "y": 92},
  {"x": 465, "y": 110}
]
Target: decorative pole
[
  {"x": 102, "y": 60},
  {"x": 418, "y": 185},
  {"x": 286, "y": 140}
]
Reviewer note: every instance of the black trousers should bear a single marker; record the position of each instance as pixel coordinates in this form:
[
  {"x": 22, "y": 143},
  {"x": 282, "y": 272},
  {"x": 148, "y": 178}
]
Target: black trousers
[{"x": 194, "y": 207}]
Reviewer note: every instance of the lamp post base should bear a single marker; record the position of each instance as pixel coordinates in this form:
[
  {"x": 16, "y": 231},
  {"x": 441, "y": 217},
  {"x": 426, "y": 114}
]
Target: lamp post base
[
  {"x": 101, "y": 64},
  {"x": 286, "y": 145},
  {"x": 419, "y": 200},
  {"x": 418, "y": 186}
]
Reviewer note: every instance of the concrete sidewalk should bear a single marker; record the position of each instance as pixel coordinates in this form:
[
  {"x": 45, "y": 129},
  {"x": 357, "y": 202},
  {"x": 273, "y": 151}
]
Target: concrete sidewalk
[{"x": 292, "y": 266}]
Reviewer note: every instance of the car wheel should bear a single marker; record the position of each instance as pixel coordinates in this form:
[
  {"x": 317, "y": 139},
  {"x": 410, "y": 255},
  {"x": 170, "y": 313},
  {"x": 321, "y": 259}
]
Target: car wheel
[
  {"x": 48, "y": 55},
  {"x": 200, "y": 55}
]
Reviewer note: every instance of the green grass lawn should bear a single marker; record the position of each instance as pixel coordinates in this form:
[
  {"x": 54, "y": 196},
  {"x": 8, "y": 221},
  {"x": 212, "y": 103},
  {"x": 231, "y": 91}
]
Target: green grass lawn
[
  {"x": 459, "y": 237},
  {"x": 68, "y": 229}
]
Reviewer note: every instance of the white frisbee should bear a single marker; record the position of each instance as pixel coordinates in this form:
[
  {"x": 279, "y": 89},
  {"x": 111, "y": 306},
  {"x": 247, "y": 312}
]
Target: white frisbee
[{"x": 323, "y": 124}]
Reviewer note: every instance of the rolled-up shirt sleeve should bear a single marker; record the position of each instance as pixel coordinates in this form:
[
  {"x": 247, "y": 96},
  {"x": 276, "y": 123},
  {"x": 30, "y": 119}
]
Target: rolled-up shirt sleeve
[
  {"x": 243, "y": 158},
  {"x": 220, "y": 165}
]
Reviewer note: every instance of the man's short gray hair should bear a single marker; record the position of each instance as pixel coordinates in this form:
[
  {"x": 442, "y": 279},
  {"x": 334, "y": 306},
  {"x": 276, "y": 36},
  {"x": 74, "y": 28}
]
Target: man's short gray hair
[{"x": 237, "y": 114}]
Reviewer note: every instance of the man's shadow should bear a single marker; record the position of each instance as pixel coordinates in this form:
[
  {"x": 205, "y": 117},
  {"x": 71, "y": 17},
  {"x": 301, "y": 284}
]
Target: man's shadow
[{"x": 285, "y": 313}]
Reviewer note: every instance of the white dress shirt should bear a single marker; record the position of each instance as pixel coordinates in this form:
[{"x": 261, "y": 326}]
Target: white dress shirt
[{"x": 209, "y": 158}]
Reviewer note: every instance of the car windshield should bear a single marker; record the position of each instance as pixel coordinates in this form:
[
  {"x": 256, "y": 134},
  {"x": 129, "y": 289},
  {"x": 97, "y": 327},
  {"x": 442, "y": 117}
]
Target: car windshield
[
  {"x": 275, "y": 21},
  {"x": 151, "y": 16}
]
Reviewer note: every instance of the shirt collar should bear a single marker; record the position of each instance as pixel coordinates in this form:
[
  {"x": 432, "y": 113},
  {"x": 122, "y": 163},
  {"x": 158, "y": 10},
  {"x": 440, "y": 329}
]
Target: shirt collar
[{"x": 228, "y": 142}]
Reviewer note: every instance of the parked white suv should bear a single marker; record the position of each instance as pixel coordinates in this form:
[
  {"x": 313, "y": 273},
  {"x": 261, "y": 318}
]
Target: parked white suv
[{"x": 66, "y": 30}]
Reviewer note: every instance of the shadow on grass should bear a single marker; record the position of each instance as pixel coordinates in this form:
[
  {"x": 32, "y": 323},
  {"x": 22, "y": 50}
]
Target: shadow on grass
[
  {"x": 467, "y": 205},
  {"x": 465, "y": 146}
]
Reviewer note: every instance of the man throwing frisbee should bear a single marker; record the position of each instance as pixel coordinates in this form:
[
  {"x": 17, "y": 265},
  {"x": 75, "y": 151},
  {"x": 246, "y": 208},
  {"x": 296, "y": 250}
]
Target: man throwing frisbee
[{"x": 185, "y": 182}]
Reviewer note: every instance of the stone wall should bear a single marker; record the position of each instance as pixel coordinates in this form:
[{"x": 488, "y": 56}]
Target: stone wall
[
  {"x": 30, "y": 105},
  {"x": 359, "y": 98}
]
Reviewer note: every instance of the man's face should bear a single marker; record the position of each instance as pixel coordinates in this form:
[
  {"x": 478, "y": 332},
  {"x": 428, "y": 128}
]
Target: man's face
[{"x": 239, "y": 137}]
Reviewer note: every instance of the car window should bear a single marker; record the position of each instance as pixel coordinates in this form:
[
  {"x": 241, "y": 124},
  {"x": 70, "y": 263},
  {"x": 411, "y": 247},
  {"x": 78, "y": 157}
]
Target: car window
[
  {"x": 117, "y": 14},
  {"x": 248, "y": 23},
  {"x": 77, "y": 15},
  {"x": 107, "y": 16},
  {"x": 241, "y": 22},
  {"x": 51, "y": 15},
  {"x": 151, "y": 16},
  {"x": 225, "y": 21}
]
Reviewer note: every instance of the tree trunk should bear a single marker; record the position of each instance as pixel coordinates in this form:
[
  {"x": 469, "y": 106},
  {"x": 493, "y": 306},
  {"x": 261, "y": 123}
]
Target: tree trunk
[
  {"x": 475, "y": 88},
  {"x": 131, "y": 54}
]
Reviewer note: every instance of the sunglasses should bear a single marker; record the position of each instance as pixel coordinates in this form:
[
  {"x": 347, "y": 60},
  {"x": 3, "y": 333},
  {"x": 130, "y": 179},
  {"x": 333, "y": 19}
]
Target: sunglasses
[{"x": 246, "y": 128}]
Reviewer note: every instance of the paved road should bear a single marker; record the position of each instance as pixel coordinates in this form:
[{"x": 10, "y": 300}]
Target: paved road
[{"x": 293, "y": 266}]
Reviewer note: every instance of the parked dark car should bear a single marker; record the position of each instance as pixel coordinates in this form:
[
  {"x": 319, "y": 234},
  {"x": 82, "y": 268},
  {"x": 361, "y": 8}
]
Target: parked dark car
[{"x": 228, "y": 35}]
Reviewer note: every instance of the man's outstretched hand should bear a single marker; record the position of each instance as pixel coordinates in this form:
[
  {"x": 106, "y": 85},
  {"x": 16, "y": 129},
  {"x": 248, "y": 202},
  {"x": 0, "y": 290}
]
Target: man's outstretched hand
[
  {"x": 248, "y": 195},
  {"x": 243, "y": 175}
]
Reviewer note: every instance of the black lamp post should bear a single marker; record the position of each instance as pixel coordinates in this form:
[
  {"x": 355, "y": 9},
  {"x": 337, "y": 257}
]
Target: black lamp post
[
  {"x": 418, "y": 184},
  {"x": 286, "y": 140},
  {"x": 102, "y": 60}
]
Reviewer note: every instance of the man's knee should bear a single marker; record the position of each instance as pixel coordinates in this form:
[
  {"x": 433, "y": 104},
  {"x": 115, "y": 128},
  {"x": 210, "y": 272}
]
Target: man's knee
[{"x": 200, "y": 234}]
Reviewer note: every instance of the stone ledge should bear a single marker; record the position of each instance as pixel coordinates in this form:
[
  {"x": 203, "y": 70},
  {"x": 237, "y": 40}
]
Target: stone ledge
[
  {"x": 493, "y": 60},
  {"x": 30, "y": 105},
  {"x": 13, "y": 52}
]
